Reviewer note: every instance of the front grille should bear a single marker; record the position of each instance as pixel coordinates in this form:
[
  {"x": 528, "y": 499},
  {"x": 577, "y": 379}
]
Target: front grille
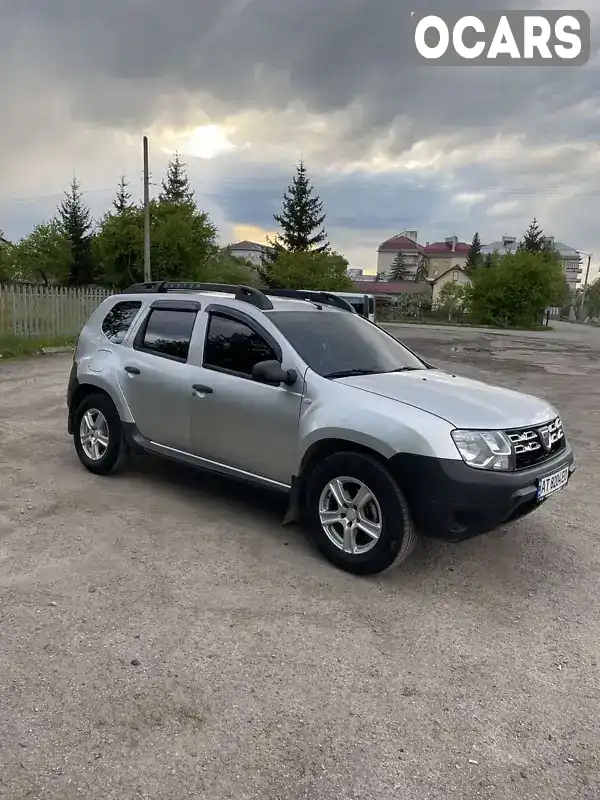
[{"x": 535, "y": 445}]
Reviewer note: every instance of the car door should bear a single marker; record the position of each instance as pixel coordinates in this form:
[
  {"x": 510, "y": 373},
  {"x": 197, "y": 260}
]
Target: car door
[
  {"x": 154, "y": 374},
  {"x": 236, "y": 421}
]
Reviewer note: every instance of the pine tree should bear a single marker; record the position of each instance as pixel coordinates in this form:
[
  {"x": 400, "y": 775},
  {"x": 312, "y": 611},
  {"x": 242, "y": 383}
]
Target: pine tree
[
  {"x": 122, "y": 199},
  {"x": 302, "y": 217},
  {"x": 75, "y": 222},
  {"x": 474, "y": 255},
  {"x": 176, "y": 187},
  {"x": 488, "y": 261},
  {"x": 534, "y": 240},
  {"x": 398, "y": 270}
]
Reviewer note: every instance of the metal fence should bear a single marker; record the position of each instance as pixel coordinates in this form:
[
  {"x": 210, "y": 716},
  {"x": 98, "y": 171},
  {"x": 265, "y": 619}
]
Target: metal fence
[{"x": 47, "y": 311}]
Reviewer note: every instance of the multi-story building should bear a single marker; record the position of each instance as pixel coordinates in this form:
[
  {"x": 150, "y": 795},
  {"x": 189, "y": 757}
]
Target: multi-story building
[
  {"x": 358, "y": 274},
  {"x": 441, "y": 257},
  {"x": 571, "y": 258},
  {"x": 251, "y": 251},
  {"x": 405, "y": 243}
]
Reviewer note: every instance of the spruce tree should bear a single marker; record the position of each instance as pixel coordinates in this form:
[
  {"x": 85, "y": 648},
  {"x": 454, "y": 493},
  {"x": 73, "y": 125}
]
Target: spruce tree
[
  {"x": 301, "y": 219},
  {"x": 122, "y": 199},
  {"x": 488, "y": 262},
  {"x": 534, "y": 240},
  {"x": 398, "y": 270},
  {"x": 75, "y": 221},
  {"x": 474, "y": 255},
  {"x": 176, "y": 187}
]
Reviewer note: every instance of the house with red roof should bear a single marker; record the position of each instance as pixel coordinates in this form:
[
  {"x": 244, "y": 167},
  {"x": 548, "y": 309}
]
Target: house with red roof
[
  {"x": 405, "y": 243},
  {"x": 444, "y": 256},
  {"x": 437, "y": 257}
]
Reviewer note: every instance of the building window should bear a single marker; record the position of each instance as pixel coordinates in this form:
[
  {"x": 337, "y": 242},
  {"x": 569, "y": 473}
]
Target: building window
[{"x": 455, "y": 275}]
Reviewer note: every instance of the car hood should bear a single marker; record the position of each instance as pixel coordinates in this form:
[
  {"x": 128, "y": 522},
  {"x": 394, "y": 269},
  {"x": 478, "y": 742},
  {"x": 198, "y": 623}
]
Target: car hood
[{"x": 463, "y": 402}]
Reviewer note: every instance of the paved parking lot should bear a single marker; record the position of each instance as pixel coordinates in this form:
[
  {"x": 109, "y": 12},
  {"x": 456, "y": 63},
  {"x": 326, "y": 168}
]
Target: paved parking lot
[{"x": 162, "y": 636}]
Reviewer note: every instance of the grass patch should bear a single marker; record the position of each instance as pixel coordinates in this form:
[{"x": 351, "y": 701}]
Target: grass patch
[
  {"x": 22, "y": 346},
  {"x": 445, "y": 323}
]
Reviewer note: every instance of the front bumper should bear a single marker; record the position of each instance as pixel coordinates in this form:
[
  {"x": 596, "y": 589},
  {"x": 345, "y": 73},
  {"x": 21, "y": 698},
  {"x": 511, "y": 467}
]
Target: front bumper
[{"x": 452, "y": 501}]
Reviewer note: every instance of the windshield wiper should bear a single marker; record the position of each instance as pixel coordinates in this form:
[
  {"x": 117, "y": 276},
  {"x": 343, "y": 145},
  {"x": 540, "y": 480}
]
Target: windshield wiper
[
  {"x": 405, "y": 369},
  {"x": 347, "y": 373}
]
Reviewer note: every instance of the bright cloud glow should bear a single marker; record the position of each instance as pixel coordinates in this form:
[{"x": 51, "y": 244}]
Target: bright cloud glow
[{"x": 206, "y": 142}]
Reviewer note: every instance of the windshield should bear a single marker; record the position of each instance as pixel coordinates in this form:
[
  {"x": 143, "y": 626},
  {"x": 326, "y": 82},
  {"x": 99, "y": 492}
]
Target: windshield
[{"x": 335, "y": 344}]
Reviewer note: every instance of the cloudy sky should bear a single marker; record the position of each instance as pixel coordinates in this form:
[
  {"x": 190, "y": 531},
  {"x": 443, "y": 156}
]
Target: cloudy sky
[{"x": 243, "y": 88}]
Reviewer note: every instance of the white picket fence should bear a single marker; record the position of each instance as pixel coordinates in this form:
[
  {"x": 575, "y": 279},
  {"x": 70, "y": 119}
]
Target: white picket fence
[{"x": 47, "y": 311}]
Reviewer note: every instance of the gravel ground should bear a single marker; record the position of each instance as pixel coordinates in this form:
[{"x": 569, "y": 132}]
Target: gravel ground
[{"x": 162, "y": 636}]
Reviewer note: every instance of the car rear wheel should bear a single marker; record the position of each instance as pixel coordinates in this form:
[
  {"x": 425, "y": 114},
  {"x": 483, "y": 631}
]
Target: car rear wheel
[
  {"x": 98, "y": 435},
  {"x": 357, "y": 515}
]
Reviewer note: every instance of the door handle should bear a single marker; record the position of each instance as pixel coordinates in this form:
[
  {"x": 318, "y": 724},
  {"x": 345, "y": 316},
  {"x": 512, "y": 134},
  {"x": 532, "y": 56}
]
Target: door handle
[
  {"x": 202, "y": 389},
  {"x": 132, "y": 370}
]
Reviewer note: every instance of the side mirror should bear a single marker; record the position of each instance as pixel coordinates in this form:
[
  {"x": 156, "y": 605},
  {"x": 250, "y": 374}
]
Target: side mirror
[{"x": 272, "y": 373}]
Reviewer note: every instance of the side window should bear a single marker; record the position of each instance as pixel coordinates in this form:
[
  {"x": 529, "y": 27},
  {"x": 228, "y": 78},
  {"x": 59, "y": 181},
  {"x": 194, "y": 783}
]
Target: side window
[
  {"x": 233, "y": 346},
  {"x": 168, "y": 333},
  {"x": 118, "y": 320}
]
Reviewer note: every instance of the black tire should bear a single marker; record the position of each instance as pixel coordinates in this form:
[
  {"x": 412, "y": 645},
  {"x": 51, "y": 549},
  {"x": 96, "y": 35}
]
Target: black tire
[
  {"x": 117, "y": 451},
  {"x": 398, "y": 537}
]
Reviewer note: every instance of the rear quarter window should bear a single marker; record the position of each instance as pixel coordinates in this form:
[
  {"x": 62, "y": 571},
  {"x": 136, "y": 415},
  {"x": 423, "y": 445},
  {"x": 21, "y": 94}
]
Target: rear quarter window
[{"x": 119, "y": 319}]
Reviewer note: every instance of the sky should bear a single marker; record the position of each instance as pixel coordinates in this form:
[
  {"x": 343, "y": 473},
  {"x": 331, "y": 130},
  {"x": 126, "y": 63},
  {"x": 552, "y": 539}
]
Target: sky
[{"x": 245, "y": 88}]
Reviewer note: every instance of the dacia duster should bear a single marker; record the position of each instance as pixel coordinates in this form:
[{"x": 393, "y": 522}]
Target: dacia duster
[{"x": 297, "y": 392}]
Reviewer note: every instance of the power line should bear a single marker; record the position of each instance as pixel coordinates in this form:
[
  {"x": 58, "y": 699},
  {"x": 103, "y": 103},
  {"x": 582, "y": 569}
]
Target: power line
[
  {"x": 252, "y": 183},
  {"x": 59, "y": 194}
]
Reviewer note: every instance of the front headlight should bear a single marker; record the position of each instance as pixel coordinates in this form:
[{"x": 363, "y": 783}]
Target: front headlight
[{"x": 484, "y": 449}]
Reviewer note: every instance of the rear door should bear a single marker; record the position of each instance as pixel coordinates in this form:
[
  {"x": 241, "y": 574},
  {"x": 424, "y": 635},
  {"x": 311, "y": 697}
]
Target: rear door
[{"x": 155, "y": 376}]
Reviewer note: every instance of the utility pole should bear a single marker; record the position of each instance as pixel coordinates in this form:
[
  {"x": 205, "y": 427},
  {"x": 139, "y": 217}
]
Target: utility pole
[
  {"x": 585, "y": 282},
  {"x": 147, "y": 273}
]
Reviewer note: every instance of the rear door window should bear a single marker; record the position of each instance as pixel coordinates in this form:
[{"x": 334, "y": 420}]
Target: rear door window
[
  {"x": 168, "y": 333},
  {"x": 119, "y": 319}
]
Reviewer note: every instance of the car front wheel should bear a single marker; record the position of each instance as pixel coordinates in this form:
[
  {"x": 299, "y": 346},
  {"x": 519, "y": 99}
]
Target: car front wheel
[{"x": 357, "y": 515}]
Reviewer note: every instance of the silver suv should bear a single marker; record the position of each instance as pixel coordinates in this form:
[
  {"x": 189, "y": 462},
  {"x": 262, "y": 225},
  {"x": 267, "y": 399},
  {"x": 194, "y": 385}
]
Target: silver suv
[{"x": 297, "y": 392}]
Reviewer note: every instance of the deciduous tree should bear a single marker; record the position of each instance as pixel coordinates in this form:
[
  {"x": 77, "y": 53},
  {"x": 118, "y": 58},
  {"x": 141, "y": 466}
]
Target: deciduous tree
[
  {"x": 311, "y": 270},
  {"x": 517, "y": 291},
  {"x": 44, "y": 256},
  {"x": 6, "y": 259}
]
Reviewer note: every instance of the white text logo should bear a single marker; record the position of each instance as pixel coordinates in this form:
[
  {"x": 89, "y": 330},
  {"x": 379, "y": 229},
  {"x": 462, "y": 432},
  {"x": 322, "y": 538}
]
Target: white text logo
[{"x": 497, "y": 39}]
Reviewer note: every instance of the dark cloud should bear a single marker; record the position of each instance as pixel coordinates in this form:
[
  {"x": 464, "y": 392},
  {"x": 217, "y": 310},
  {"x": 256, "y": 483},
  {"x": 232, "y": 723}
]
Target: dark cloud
[
  {"x": 81, "y": 69},
  {"x": 119, "y": 58}
]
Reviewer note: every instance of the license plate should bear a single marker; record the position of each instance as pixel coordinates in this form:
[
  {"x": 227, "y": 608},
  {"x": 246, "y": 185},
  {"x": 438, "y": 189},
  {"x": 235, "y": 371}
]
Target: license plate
[{"x": 552, "y": 483}]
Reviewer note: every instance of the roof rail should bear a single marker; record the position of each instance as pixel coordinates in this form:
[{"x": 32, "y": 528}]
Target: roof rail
[
  {"x": 326, "y": 298},
  {"x": 247, "y": 294}
]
